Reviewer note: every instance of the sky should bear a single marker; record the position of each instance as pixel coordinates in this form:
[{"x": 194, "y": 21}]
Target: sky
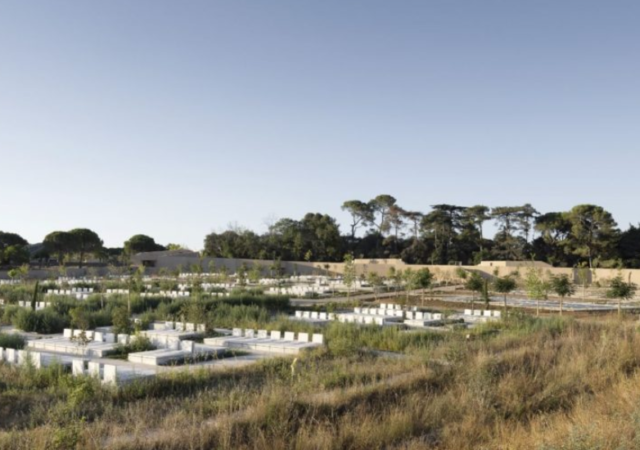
[{"x": 175, "y": 119}]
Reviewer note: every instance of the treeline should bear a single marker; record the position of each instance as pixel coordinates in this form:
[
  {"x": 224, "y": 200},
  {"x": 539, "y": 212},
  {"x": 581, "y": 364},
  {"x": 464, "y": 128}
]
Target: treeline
[
  {"x": 447, "y": 234},
  {"x": 381, "y": 228},
  {"x": 72, "y": 247}
]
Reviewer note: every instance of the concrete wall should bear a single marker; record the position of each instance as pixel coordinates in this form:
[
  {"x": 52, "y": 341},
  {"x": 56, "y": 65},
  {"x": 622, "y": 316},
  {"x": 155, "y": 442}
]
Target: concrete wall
[{"x": 379, "y": 266}]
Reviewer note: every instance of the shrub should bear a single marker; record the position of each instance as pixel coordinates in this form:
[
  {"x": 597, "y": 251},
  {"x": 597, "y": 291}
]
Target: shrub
[
  {"x": 12, "y": 341},
  {"x": 26, "y": 320},
  {"x": 45, "y": 321},
  {"x": 10, "y": 311}
]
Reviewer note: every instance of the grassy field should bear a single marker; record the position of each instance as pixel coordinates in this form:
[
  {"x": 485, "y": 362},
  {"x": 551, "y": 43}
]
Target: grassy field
[{"x": 528, "y": 383}]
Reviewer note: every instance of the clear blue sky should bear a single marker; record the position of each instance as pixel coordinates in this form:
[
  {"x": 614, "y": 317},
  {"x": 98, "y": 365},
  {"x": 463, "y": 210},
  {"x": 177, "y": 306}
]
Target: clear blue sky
[{"x": 176, "y": 118}]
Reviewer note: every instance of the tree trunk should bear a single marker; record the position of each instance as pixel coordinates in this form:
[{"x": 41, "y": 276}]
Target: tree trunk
[
  {"x": 505, "y": 304},
  {"x": 561, "y": 304},
  {"x": 619, "y": 307}
]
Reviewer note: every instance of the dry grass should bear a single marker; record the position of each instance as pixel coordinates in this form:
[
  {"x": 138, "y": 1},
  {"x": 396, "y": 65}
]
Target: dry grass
[{"x": 535, "y": 384}]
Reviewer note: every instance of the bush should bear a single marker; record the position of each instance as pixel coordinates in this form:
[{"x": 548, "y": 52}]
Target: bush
[
  {"x": 9, "y": 313},
  {"x": 26, "y": 320},
  {"x": 12, "y": 341},
  {"x": 45, "y": 321}
]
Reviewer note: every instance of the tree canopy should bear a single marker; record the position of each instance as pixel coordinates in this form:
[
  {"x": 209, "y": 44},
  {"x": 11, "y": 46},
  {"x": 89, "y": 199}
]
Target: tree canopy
[{"x": 141, "y": 243}]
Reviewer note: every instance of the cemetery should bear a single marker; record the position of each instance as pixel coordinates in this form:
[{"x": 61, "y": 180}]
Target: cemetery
[{"x": 243, "y": 339}]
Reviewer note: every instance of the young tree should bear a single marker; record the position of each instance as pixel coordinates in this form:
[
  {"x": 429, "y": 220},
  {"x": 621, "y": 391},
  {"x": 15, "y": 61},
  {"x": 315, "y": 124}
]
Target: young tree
[
  {"x": 255, "y": 273},
  {"x": 391, "y": 275},
  {"x": 562, "y": 286},
  {"x": 504, "y": 286},
  {"x": 349, "y": 274},
  {"x": 462, "y": 274},
  {"x": 408, "y": 281},
  {"x": 422, "y": 280},
  {"x": 375, "y": 281},
  {"x": 242, "y": 274},
  {"x": 536, "y": 286},
  {"x": 621, "y": 290},
  {"x": 584, "y": 278},
  {"x": 121, "y": 320},
  {"x": 475, "y": 284}
]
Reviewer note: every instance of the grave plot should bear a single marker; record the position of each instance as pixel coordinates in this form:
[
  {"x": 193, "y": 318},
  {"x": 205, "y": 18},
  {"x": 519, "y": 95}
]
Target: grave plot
[
  {"x": 164, "y": 333},
  {"x": 78, "y": 293},
  {"x": 384, "y": 315},
  {"x": 263, "y": 341},
  {"x": 117, "y": 291},
  {"x": 95, "y": 343},
  {"x": 36, "y": 358},
  {"x": 480, "y": 315},
  {"x": 39, "y": 305},
  {"x": 170, "y": 294},
  {"x": 314, "y": 317},
  {"x": 177, "y": 353},
  {"x": 111, "y": 374},
  {"x": 423, "y": 319},
  {"x": 173, "y": 345}
]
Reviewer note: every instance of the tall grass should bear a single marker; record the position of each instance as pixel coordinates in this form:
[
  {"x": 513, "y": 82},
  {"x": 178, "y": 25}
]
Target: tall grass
[{"x": 527, "y": 383}]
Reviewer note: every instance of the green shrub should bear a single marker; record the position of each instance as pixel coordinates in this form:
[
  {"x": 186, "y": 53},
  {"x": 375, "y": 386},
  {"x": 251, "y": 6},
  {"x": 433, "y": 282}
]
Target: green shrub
[
  {"x": 26, "y": 320},
  {"x": 10, "y": 311},
  {"x": 12, "y": 341},
  {"x": 46, "y": 321}
]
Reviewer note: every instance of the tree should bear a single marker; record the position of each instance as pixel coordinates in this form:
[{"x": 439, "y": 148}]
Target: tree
[
  {"x": 380, "y": 207},
  {"x": 629, "y": 247},
  {"x": 408, "y": 279},
  {"x": 475, "y": 284},
  {"x": 593, "y": 232},
  {"x": 422, "y": 279},
  {"x": 526, "y": 219},
  {"x": 504, "y": 286},
  {"x": 83, "y": 242},
  {"x": 238, "y": 243},
  {"x": 562, "y": 286},
  {"x": 361, "y": 214},
  {"x": 415, "y": 217},
  {"x": 442, "y": 225},
  {"x": 255, "y": 273},
  {"x": 140, "y": 243},
  {"x": 621, "y": 290},
  {"x": 375, "y": 281},
  {"x": 349, "y": 273},
  {"x": 241, "y": 273},
  {"x": 476, "y": 216},
  {"x": 13, "y": 249},
  {"x": 554, "y": 228},
  {"x": 536, "y": 286},
  {"x": 59, "y": 243},
  {"x": 510, "y": 219},
  {"x": 121, "y": 320}
]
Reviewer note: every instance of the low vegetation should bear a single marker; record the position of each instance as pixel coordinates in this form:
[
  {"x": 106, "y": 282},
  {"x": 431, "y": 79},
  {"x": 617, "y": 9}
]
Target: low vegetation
[{"x": 538, "y": 383}]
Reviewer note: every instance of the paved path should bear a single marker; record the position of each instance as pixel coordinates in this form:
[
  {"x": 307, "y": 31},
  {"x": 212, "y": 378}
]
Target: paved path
[
  {"x": 512, "y": 301},
  {"x": 551, "y": 305},
  {"x": 364, "y": 297}
]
